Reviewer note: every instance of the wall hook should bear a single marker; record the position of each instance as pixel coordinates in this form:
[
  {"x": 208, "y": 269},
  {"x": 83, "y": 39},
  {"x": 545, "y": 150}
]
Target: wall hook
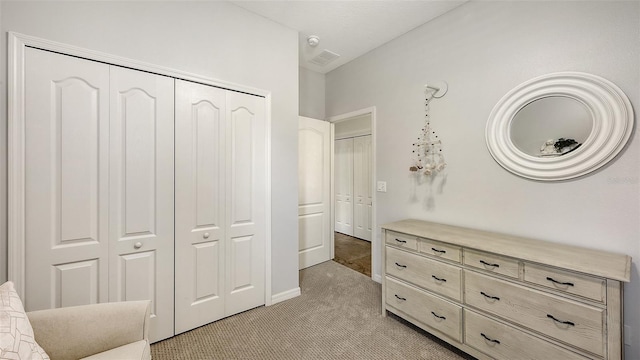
[{"x": 439, "y": 87}]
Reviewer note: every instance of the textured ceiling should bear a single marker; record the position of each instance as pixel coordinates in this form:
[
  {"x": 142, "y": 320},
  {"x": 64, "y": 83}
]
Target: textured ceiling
[{"x": 348, "y": 28}]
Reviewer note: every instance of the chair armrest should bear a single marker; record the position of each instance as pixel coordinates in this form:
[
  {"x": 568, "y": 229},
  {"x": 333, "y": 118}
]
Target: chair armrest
[{"x": 80, "y": 331}]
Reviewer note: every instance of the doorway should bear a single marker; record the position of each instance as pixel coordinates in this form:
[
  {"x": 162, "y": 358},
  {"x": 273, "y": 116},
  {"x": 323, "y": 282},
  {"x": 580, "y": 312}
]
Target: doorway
[{"x": 356, "y": 239}]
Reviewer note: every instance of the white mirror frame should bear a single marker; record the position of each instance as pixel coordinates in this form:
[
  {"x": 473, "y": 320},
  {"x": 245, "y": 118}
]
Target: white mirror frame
[{"x": 610, "y": 110}]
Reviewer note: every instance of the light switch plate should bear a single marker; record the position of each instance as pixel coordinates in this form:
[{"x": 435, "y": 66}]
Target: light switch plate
[{"x": 382, "y": 186}]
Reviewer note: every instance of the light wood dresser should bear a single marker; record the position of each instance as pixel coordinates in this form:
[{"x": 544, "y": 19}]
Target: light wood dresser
[{"x": 505, "y": 297}]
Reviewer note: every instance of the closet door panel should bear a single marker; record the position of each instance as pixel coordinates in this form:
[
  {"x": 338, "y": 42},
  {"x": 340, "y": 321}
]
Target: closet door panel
[
  {"x": 362, "y": 187},
  {"x": 76, "y": 283},
  {"x": 241, "y": 259},
  {"x": 200, "y": 194},
  {"x": 344, "y": 186},
  {"x": 141, "y": 191},
  {"x": 208, "y": 271},
  {"x": 137, "y": 276},
  {"x": 241, "y": 149},
  {"x": 245, "y": 183},
  {"x": 66, "y": 192}
]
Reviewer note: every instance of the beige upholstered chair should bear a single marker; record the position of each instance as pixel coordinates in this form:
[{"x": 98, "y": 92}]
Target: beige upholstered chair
[{"x": 101, "y": 331}]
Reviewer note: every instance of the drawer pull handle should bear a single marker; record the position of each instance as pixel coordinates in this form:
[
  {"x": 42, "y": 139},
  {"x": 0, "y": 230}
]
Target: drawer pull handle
[
  {"x": 438, "y": 316},
  {"x": 439, "y": 251},
  {"x": 489, "y": 264},
  {"x": 558, "y": 282},
  {"x": 400, "y": 265},
  {"x": 490, "y": 339},
  {"x": 560, "y": 321},
  {"x": 489, "y": 296},
  {"x": 401, "y": 241},
  {"x": 400, "y": 298},
  {"x": 438, "y": 279}
]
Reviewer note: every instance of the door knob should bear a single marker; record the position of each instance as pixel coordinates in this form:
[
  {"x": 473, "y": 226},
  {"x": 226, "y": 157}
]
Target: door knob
[{"x": 137, "y": 245}]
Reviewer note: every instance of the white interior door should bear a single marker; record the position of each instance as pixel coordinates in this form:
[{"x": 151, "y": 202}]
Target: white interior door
[
  {"x": 343, "y": 180},
  {"x": 245, "y": 171},
  {"x": 65, "y": 184},
  {"x": 200, "y": 201},
  {"x": 141, "y": 190},
  {"x": 314, "y": 191},
  {"x": 362, "y": 212}
]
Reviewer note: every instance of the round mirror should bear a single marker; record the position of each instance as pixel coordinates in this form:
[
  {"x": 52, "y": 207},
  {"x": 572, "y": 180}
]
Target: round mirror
[
  {"x": 559, "y": 126},
  {"x": 551, "y": 126}
]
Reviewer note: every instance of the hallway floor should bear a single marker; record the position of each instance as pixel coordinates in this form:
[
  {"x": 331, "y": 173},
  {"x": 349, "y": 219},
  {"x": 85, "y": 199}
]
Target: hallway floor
[{"x": 353, "y": 253}]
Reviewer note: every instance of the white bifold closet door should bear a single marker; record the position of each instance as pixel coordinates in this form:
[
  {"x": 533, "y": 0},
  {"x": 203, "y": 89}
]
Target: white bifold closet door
[
  {"x": 362, "y": 187},
  {"x": 98, "y": 186},
  {"x": 66, "y": 184},
  {"x": 141, "y": 210},
  {"x": 343, "y": 180},
  {"x": 220, "y": 197},
  {"x": 353, "y": 174}
]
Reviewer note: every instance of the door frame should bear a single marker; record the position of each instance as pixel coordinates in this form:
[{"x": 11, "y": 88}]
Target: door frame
[
  {"x": 17, "y": 43},
  {"x": 376, "y": 274}
]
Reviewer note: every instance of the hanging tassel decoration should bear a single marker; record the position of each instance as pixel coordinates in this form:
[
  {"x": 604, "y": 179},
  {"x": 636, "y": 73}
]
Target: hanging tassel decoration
[{"x": 427, "y": 150}]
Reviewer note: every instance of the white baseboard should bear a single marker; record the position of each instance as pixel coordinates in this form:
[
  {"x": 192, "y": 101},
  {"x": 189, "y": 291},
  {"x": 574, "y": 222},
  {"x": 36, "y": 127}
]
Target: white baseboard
[
  {"x": 377, "y": 278},
  {"x": 285, "y": 295}
]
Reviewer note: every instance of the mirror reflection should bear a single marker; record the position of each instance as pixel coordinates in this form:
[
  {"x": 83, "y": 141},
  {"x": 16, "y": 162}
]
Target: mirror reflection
[{"x": 551, "y": 126}]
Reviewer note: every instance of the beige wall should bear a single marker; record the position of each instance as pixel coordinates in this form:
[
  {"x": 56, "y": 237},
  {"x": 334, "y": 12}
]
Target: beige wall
[
  {"x": 312, "y": 96},
  {"x": 213, "y": 39},
  {"x": 482, "y": 50}
]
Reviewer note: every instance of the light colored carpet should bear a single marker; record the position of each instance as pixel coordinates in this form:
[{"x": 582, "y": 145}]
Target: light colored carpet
[{"x": 338, "y": 316}]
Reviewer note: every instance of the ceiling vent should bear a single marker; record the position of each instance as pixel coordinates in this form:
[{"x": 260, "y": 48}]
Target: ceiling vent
[{"x": 324, "y": 58}]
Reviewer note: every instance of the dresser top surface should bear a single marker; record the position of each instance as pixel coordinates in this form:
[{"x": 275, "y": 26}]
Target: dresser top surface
[{"x": 596, "y": 262}]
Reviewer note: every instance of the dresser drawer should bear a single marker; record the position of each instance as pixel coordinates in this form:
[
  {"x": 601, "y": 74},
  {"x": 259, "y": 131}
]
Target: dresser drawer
[
  {"x": 429, "y": 274},
  {"x": 584, "y": 285},
  {"x": 402, "y": 240},
  {"x": 440, "y": 250},
  {"x": 430, "y": 310},
  {"x": 505, "y": 342},
  {"x": 492, "y": 263},
  {"x": 569, "y": 321}
]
